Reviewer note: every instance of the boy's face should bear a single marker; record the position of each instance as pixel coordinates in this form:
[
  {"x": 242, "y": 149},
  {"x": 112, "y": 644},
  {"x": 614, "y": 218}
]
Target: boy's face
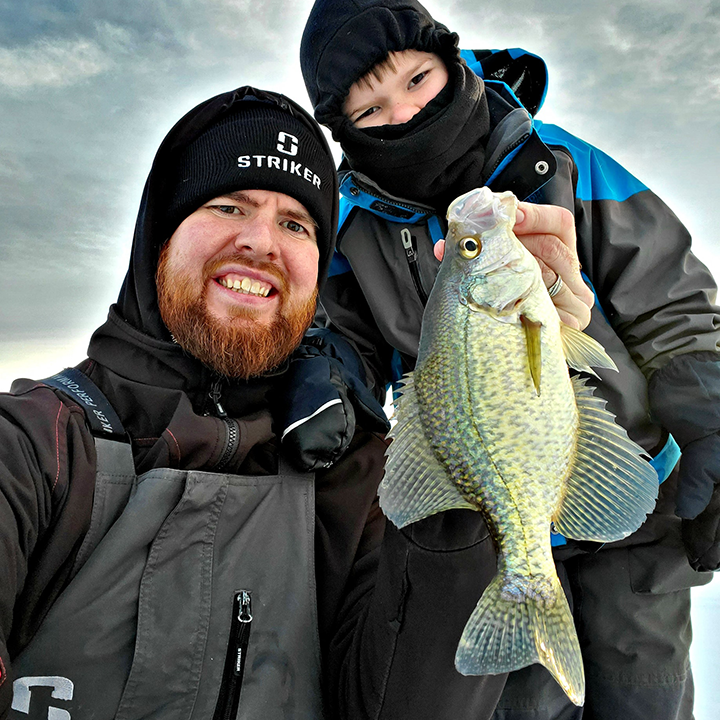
[{"x": 401, "y": 93}]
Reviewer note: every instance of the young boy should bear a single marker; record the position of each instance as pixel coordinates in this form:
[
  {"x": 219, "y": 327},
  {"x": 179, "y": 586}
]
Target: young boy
[{"x": 421, "y": 122}]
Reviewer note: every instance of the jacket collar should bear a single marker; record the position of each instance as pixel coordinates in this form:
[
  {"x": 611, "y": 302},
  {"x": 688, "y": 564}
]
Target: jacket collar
[
  {"x": 141, "y": 358},
  {"x": 516, "y": 159}
]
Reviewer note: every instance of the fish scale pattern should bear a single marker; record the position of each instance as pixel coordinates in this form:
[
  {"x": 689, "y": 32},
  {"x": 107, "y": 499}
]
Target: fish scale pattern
[{"x": 505, "y": 446}]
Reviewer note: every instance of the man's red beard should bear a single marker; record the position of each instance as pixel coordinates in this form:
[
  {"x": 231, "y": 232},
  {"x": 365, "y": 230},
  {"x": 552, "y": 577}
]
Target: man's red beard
[{"x": 238, "y": 347}]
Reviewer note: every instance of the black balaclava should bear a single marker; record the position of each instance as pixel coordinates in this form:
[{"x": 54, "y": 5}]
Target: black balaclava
[{"x": 441, "y": 151}]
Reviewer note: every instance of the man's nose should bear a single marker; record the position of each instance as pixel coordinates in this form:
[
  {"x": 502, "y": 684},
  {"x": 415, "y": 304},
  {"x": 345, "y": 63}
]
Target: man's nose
[
  {"x": 258, "y": 237},
  {"x": 402, "y": 112}
]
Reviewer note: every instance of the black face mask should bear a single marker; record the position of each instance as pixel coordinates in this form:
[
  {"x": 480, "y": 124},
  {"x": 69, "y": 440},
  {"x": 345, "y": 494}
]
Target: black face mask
[
  {"x": 437, "y": 155},
  {"x": 418, "y": 121}
]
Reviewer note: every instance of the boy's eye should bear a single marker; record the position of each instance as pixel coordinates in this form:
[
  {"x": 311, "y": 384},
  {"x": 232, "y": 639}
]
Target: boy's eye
[
  {"x": 367, "y": 113},
  {"x": 418, "y": 78}
]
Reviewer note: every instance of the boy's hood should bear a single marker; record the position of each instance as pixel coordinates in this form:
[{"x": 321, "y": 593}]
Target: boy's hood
[{"x": 343, "y": 39}]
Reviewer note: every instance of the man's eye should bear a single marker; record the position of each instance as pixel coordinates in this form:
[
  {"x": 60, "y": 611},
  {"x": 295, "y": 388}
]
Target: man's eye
[
  {"x": 418, "y": 78},
  {"x": 293, "y": 226},
  {"x": 228, "y": 209}
]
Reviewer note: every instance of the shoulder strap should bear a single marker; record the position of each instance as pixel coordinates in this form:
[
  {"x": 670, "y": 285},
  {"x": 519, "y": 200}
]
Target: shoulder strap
[{"x": 102, "y": 418}]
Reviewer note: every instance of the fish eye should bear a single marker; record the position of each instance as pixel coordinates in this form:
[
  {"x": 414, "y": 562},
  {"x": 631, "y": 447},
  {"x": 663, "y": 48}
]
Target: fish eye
[{"x": 469, "y": 247}]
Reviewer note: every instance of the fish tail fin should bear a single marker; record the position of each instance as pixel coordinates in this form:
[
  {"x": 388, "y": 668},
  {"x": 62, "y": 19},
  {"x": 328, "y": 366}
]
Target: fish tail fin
[{"x": 505, "y": 634}]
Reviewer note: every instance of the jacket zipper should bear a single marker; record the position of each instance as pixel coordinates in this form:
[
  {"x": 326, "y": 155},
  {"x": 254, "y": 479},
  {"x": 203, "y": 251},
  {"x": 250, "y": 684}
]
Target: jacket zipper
[
  {"x": 232, "y": 679},
  {"x": 214, "y": 395},
  {"x": 232, "y": 440},
  {"x": 397, "y": 203},
  {"x": 412, "y": 258},
  {"x": 232, "y": 430}
]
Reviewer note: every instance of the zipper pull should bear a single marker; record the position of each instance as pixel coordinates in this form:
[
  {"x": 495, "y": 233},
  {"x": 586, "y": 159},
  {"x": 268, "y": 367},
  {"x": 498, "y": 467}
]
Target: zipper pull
[
  {"x": 244, "y": 617},
  {"x": 232, "y": 678},
  {"x": 215, "y": 397},
  {"x": 407, "y": 242}
]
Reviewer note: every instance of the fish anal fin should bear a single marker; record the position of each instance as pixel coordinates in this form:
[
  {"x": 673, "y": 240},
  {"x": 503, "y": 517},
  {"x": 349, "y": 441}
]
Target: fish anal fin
[
  {"x": 509, "y": 632},
  {"x": 415, "y": 484},
  {"x": 611, "y": 488},
  {"x": 532, "y": 340},
  {"x": 583, "y": 352}
]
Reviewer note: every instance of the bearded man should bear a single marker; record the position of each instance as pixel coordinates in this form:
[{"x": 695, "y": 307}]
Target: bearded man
[{"x": 166, "y": 549}]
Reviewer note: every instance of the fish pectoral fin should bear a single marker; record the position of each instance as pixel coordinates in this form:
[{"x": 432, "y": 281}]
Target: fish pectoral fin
[
  {"x": 611, "y": 488},
  {"x": 532, "y": 340},
  {"x": 508, "y": 632},
  {"x": 582, "y": 351},
  {"x": 415, "y": 484}
]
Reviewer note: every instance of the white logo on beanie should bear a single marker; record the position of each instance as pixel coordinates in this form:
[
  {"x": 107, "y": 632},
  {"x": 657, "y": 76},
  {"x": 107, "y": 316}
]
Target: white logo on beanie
[{"x": 287, "y": 143}]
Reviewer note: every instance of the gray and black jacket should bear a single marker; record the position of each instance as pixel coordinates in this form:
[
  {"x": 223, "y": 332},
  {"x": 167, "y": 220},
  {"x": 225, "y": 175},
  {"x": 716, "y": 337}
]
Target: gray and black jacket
[{"x": 654, "y": 298}]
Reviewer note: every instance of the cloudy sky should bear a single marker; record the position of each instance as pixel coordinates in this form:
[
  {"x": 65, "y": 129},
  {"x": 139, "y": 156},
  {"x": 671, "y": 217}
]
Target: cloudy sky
[{"x": 89, "y": 88}]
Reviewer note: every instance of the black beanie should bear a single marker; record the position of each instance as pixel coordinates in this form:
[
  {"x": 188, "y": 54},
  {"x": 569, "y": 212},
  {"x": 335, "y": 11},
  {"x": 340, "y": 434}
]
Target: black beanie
[{"x": 256, "y": 146}]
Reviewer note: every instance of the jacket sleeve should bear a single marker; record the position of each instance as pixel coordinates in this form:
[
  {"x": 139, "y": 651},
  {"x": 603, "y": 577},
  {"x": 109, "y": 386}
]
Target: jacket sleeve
[
  {"x": 345, "y": 310},
  {"x": 399, "y": 610},
  {"x": 43, "y": 443},
  {"x": 656, "y": 294}
]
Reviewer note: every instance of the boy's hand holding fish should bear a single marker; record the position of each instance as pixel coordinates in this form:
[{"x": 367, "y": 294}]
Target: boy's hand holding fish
[{"x": 548, "y": 232}]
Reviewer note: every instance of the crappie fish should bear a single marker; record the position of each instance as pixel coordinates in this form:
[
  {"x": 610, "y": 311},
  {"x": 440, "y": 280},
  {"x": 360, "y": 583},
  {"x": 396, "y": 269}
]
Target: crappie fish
[{"x": 491, "y": 421}]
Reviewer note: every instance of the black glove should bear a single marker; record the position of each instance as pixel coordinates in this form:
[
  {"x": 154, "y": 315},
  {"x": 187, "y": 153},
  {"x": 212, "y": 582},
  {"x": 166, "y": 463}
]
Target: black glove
[
  {"x": 685, "y": 398},
  {"x": 323, "y": 397}
]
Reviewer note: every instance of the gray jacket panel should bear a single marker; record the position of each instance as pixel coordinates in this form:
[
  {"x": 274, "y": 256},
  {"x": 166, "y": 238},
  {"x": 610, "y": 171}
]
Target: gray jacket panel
[{"x": 142, "y": 630}]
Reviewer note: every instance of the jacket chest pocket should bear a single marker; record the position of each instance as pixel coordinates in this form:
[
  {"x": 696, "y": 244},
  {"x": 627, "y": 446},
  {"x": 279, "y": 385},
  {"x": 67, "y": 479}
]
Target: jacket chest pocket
[{"x": 147, "y": 626}]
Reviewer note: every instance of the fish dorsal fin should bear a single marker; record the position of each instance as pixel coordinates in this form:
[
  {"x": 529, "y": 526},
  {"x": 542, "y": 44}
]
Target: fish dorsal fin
[
  {"x": 583, "y": 352},
  {"x": 611, "y": 488},
  {"x": 415, "y": 484}
]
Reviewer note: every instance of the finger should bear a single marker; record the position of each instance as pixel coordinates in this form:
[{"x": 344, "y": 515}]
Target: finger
[
  {"x": 572, "y": 311},
  {"x": 439, "y": 249},
  {"x": 550, "y": 230},
  {"x": 549, "y": 276},
  {"x": 555, "y": 258},
  {"x": 547, "y": 220}
]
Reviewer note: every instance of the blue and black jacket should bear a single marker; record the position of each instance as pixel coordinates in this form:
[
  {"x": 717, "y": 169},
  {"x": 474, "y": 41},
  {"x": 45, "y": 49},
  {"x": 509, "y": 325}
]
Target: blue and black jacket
[{"x": 654, "y": 298}]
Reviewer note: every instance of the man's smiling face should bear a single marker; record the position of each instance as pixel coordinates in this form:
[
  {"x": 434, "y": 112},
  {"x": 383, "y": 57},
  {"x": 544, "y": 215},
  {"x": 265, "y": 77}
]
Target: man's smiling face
[{"x": 237, "y": 281}]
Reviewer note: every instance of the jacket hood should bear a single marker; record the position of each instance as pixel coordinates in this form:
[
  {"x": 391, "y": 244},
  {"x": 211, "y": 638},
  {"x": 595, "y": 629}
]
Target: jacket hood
[
  {"x": 134, "y": 342},
  {"x": 343, "y": 39}
]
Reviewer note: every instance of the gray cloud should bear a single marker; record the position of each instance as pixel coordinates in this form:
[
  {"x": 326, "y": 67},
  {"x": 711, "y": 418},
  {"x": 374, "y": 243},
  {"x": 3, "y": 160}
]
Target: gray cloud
[{"x": 89, "y": 89}]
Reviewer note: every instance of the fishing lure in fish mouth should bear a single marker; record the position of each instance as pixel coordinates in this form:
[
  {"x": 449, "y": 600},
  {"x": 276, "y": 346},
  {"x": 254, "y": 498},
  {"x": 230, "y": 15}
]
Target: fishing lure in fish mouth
[{"x": 491, "y": 421}]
